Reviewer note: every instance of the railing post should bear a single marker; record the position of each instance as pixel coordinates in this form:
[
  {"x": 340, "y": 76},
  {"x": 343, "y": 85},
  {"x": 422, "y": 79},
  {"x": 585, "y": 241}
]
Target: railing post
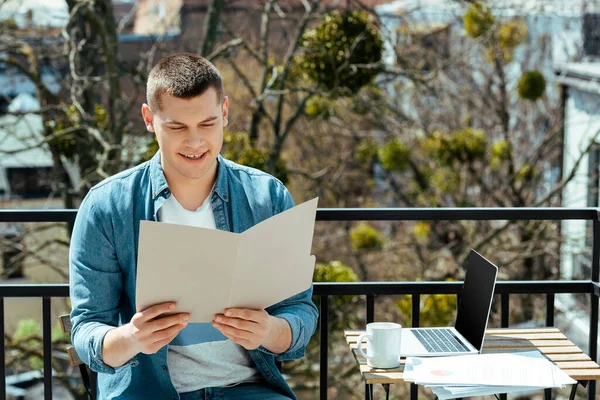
[
  {"x": 47, "y": 338},
  {"x": 593, "y": 347},
  {"x": 504, "y": 309},
  {"x": 504, "y": 314},
  {"x": 2, "y": 352},
  {"x": 416, "y": 310},
  {"x": 370, "y": 317},
  {"x": 549, "y": 309},
  {"x": 324, "y": 316},
  {"x": 416, "y": 322},
  {"x": 370, "y": 308}
]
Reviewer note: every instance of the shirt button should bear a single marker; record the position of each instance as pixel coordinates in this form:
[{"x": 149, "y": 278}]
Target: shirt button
[{"x": 164, "y": 367}]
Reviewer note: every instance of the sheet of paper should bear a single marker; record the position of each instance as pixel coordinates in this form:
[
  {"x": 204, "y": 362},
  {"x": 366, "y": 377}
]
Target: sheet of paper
[
  {"x": 443, "y": 393},
  {"x": 484, "y": 369},
  {"x": 207, "y": 270},
  {"x": 414, "y": 372}
]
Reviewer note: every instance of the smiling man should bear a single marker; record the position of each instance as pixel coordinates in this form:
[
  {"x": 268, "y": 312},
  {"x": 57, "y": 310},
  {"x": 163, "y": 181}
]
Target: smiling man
[{"x": 155, "y": 353}]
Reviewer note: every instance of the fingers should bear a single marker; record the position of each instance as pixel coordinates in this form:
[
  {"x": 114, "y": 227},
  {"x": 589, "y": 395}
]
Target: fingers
[
  {"x": 248, "y": 328},
  {"x": 161, "y": 344},
  {"x": 154, "y": 311},
  {"x": 244, "y": 313},
  {"x": 248, "y": 345},
  {"x": 167, "y": 334},
  {"x": 166, "y": 322},
  {"x": 237, "y": 323},
  {"x": 156, "y": 340},
  {"x": 150, "y": 329},
  {"x": 234, "y": 331}
]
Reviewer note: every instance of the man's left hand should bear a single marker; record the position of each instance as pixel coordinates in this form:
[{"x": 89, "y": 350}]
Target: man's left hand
[{"x": 248, "y": 328}]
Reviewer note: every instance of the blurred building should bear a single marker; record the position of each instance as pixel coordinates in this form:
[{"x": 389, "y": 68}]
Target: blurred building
[
  {"x": 240, "y": 18},
  {"x": 580, "y": 82},
  {"x": 147, "y": 28}
]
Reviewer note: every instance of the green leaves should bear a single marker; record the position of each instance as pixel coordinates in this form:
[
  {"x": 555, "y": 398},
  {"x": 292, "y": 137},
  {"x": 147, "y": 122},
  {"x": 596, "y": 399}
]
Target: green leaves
[
  {"x": 478, "y": 20},
  {"x": 337, "y": 51},
  {"x": 366, "y": 238},
  {"x": 238, "y": 148},
  {"x": 334, "y": 271},
  {"x": 318, "y": 107},
  {"x": 421, "y": 231},
  {"x": 27, "y": 328},
  {"x": 531, "y": 86},
  {"x": 510, "y": 35},
  {"x": 503, "y": 37},
  {"x": 394, "y": 155},
  {"x": 465, "y": 146},
  {"x": 27, "y": 341},
  {"x": 367, "y": 151},
  {"x": 436, "y": 310},
  {"x": 500, "y": 151}
]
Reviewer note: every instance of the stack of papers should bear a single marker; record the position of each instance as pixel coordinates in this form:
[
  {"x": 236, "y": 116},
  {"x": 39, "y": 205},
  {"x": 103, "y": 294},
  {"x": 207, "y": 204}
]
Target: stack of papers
[{"x": 484, "y": 374}]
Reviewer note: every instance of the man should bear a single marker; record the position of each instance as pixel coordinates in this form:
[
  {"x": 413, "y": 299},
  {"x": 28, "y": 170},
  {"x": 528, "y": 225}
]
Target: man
[{"x": 145, "y": 354}]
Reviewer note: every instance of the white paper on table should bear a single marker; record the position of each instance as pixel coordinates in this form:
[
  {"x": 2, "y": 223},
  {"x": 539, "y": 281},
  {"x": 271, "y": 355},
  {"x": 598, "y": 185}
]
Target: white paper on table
[
  {"x": 452, "y": 391},
  {"x": 484, "y": 369},
  {"x": 408, "y": 370},
  {"x": 561, "y": 378},
  {"x": 444, "y": 394},
  {"x": 206, "y": 270}
]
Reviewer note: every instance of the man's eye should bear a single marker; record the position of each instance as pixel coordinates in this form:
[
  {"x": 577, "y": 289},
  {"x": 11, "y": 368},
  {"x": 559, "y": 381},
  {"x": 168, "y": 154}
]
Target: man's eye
[{"x": 177, "y": 128}]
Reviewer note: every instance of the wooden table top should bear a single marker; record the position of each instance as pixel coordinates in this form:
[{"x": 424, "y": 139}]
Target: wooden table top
[{"x": 549, "y": 341}]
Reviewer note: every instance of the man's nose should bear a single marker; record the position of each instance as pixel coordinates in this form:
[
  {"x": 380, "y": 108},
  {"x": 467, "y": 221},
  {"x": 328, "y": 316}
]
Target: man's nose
[{"x": 195, "y": 138}]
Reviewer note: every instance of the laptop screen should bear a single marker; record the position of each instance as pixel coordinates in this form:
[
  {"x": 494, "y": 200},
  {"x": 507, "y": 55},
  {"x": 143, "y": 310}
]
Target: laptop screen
[{"x": 476, "y": 299}]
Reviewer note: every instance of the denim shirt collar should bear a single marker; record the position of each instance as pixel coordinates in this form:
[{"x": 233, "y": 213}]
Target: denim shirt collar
[{"x": 160, "y": 187}]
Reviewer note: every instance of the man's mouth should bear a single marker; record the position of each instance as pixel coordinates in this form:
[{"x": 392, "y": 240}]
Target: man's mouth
[{"x": 193, "y": 156}]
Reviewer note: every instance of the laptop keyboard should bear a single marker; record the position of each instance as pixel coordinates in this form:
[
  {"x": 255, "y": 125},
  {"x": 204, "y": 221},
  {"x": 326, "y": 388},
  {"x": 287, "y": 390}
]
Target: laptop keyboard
[{"x": 440, "y": 341}]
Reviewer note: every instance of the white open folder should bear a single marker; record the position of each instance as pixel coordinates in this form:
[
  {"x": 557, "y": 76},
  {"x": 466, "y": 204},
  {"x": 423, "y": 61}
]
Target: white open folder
[{"x": 206, "y": 270}]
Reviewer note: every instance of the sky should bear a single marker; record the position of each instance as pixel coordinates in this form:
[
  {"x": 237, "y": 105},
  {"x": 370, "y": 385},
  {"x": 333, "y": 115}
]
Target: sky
[{"x": 37, "y": 13}]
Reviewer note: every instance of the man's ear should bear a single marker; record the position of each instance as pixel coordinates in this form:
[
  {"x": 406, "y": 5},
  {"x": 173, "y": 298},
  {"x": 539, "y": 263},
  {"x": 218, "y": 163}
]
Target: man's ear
[
  {"x": 148, "y": 117},
  {"x": 225, "y": 110}
]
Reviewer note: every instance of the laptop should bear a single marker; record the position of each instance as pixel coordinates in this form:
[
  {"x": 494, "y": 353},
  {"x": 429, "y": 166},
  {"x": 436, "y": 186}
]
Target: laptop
[{"x": 471, "y": 318}]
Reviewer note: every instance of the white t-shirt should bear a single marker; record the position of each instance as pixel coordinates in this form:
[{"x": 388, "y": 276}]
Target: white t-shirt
[
  {"x": 174, "y": 213},
  {"x": 200, "y": 356}
]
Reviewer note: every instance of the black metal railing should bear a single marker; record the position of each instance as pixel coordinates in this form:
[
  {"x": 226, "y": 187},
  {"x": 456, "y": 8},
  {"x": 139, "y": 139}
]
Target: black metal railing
[{"x": 369, "y": 289}]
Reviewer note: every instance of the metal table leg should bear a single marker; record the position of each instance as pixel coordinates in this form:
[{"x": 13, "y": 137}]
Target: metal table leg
[
  {"x": 414, "y": 392},
  {"x": 386, "y": 387},
  {"x": 368, "y": 391},
  {"x": 573, "y": 391},
  {"x": 548, "y": 394}
]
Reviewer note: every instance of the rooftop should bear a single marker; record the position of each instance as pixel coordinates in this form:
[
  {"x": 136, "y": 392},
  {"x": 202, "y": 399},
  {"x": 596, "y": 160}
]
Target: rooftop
[{"x": 584, "y": 76}]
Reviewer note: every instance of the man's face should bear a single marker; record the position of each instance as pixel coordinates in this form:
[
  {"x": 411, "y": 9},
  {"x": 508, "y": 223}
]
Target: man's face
[{"x": 189, "y": 133}]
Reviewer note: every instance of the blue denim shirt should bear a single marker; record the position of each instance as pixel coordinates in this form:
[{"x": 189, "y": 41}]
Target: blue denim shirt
[{"x": 103, "y": 261}]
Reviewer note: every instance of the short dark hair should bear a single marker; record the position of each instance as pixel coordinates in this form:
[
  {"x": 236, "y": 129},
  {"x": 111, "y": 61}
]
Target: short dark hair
[{"x": 183, "y": 75}]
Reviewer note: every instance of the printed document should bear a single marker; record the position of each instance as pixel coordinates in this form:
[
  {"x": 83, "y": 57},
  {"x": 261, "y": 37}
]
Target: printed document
[
  {"x": 482, "y": 374},
  {"x": 206, "y": 271}
]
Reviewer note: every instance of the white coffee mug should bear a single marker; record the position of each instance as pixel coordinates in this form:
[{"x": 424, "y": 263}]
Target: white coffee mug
[{"x": 383, "y": 344}]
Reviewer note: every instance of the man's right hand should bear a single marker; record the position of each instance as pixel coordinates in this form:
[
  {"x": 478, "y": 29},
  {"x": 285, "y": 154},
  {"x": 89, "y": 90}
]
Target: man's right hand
[{"x": 147, "y": 332}]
